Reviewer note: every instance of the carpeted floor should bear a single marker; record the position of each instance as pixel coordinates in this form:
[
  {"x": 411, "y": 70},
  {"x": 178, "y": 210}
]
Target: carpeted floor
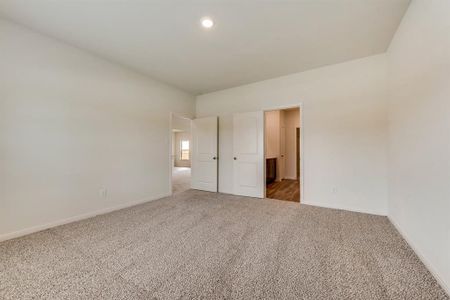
[
  {"x": 198, "y": 245},
  {"x": 181, "y": 179}
]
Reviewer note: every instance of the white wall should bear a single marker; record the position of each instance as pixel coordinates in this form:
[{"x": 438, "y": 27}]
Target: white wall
[
  {"x": 173, "y": 149},
  {"x": 273, "y": 141},
  {"x": 345, "y": 130},
  {"x": 419, "y": 163},
  {"x": 292, "y": 122},
  {"x": 72, "y": 124},
  {"x": 272, "y": 133},
  {"x": 181, "y": 123}
]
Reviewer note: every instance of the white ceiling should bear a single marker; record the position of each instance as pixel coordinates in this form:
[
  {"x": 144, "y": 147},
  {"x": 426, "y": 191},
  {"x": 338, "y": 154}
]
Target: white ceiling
[{"x": 252, "y": 40}]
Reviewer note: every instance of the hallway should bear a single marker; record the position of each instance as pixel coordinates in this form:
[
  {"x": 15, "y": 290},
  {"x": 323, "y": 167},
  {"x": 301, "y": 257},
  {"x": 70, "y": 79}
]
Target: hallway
[{"x": 181, "y": 179}]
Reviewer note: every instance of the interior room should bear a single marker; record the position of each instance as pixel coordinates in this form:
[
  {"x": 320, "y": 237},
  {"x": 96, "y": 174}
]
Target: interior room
[
  {"x": 225, "y": 149},
  {"x": 181, "y": 154},
  {"x": 282, "y": 154}
]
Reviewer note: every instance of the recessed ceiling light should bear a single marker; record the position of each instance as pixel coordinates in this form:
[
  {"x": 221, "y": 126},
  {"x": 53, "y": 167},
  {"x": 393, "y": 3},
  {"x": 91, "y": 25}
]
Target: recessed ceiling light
[{"x": 207, "y": 23}]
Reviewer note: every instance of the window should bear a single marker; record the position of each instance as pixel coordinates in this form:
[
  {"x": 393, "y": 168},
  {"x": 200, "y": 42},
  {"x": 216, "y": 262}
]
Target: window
[{"x": 184, "y": 150}]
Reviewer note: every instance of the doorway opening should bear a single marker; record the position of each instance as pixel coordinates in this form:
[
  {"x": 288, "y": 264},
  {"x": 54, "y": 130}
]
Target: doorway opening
[
  {"x": 181, "y": 154},
  {"x": 282, "y": 154}
]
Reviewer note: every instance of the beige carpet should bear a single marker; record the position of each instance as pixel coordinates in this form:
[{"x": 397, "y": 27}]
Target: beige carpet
[
  {"x": 181, "y": 179},
  {"x": 199, "y": 245}
]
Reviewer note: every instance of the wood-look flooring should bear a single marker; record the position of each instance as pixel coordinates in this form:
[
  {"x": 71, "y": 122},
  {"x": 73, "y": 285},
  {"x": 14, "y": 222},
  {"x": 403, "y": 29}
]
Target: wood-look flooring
[{"x": 286, "y": 189}]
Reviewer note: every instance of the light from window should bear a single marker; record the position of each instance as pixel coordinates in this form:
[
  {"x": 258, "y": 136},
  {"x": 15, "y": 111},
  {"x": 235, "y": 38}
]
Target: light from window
[{"x": 184, "y": 150}]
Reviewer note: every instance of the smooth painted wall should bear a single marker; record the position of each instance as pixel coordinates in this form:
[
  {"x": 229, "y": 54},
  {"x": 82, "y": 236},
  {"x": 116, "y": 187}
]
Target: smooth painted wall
[
  {"x": 72, "y": 124},
  {"x": 344, "y": 130},
  {"x": 272, "y": 125},
  {"x": 419, "y": 132},
  {"x": 291, "y": 123}
]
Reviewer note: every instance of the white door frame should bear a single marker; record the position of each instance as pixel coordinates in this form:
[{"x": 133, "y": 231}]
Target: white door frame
[
  {"x": 171, "y": 116},
  {"x": 300, "y": 107}
]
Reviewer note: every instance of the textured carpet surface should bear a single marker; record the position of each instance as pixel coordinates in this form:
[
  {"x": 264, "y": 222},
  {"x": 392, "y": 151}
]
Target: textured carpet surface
[
  {"x": 181, "y": 179},
  {"x": 198, "y": 245}
]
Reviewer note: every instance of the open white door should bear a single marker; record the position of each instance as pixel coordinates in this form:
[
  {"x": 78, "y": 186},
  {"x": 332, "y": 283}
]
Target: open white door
[
  {"x": 204, "y": 154},
  {"x": 248, "y": 146}
]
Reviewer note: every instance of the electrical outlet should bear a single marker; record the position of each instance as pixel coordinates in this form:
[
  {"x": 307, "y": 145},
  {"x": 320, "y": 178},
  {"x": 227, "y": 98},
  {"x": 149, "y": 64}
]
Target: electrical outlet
[{"x": 103, "y": 192}]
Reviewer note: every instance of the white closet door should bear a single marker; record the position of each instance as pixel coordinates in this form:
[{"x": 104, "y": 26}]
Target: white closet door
[
  {"x": 204, "y": 154},
  {"x": 248, "y": 146}
]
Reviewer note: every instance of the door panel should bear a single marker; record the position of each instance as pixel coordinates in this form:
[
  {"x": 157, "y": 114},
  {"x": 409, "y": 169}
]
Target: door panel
[
  {"x": 204, "y": 154},
  {"x": 247, "y": 173},
  {"x": 247, "y": 135},
  {"x": 282, "y": 158},
  {"x": 248, "y": 145}
]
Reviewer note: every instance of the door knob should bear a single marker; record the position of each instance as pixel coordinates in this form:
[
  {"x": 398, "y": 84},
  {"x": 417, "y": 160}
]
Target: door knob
[
  {"x": 214, "y": 158},
  {"x": 235, "y": 158}
]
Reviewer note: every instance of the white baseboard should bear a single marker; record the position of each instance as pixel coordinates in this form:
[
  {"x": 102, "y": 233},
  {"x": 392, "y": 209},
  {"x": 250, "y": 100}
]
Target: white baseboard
[
  {"x": 421, "y": 256},
  {"x": 26, "y": 231},
  {"x": 371, "y": 212}
]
